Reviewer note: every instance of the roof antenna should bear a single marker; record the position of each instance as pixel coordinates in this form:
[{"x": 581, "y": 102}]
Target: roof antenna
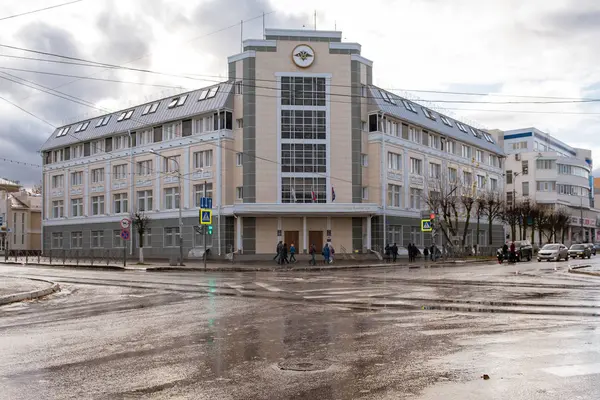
[{"x": 315, "y": 20}]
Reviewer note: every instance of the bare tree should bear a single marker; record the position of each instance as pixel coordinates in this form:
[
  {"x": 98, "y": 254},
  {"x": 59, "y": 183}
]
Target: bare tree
[
  {"x": 37, "y": 188},
  {"x": 493, "y": 208},
  {"x": 512, "y": 216},
  {"x": 562, "y": 222},
  {"x": 525, "y": 215},
  {"x": 141, "y": 222}
]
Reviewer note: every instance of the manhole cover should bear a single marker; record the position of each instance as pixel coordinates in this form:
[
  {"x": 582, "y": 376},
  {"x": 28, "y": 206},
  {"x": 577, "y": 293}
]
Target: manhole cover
[{"x": 303, "y": 365}]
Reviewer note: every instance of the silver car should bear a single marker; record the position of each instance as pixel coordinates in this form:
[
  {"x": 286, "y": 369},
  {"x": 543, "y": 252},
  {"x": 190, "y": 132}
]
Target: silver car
[{"x": 553, "y": 252}]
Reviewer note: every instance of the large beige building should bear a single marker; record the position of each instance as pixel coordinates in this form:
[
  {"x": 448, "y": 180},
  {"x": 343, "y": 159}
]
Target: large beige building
[
  {"x": 297, "y": 145},
  {"x": 20, "y": 218}
]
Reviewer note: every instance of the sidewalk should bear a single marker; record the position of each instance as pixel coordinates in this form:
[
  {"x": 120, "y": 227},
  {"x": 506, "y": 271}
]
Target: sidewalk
[{"x": 19, "y": 289}]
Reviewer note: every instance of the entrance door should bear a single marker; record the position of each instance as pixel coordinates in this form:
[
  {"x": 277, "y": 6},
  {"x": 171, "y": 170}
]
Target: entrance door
[
  {"x": 292, "y": 237},
  {"x": 316, "y": 238}
]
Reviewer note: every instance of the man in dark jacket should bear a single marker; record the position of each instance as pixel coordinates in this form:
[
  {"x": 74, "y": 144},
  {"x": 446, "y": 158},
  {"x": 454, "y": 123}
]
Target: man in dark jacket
[
  {"x": 278, "y": 253},
  {"x": 284, "y": 251},
  {"x": 394, "y": 252}
]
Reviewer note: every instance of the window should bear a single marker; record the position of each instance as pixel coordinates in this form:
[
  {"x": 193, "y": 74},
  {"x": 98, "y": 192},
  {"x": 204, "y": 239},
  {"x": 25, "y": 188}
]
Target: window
[
  {"x": 97, "y": 146},
  {"x": 509, "y": 177},
  {"x": 63, "y": 131},
  {"x": 203, "y": 159},
  {"x": 178, "y": 101},
  {"x": 77, "y": 151},
  {"x": 303, "y": 157},
  {"x": 394, "y": 161},
  {"x": 474, "y": 132},
  {"x": 416, "y": 236},
  {"x": 120, "y": 142},
  {"x": 414, "y": 135},
  {"x": 120, "y": 203},
  {"x": 82, "y": 127},
  {"x": 415, "y": 198},
  {"x": 488, "y": 137},
  {"x": 57, "y": 155},
  {"x": 150, "y": 108},
  {"x": 467, "y": 178},
  {"x": 125, "y": 115},
  {"x": 239, "y": 87},
  {"x": 172, "y": 131},
  {"x": 76, "y": 240},
  {"x": 525, "y": 167},
  {"x": 466, "y": 151},
  {"x": 461, "y": 127},
  {"x": 494, "y": 184},
  {"x": 445, "y": 120},
  {"x": 212, "y": 92},
  {"x": 481, "y": 181},
  {"x": 145, "y": 137},
  {"x": 103, "y": 121},
  {"x": 57, "y": 240},
  {"x": 394, "y": 196},
  {"x": 428, "y": 113},
  {"x": 409, "y": 106},
  {"x": 525, "y": 188},
  {"x": 434, "y": 141},
  {"x": 494, "y": 161},
  {"x": 479, "y": 156},
  {"x": 205, "y": 124},
  {"x": 171, "y": 198},
  {"x": 118, "y": 242},
  {"x": 572, "y": 170},
  {"x": 144, "y": 200},
  {"x": 57, "y": 209},
  {"x": 146, "y": 238},
  {"x": 364, "y": 160},
  {"x": 549, "y": 186},
  {"x": 303, "y": 190},
  {"x": 144, "y": 168},
  {"x": 240, "y": 123},
  {"x": 239, "y": 193},
  {"x": 303, "y": 124},
  {"x": 452, "y": 174},
  {"x": 519, "y": 145},
  {"x": 97, "y": 175},
  {"x": 76, "y": 207},
  {"x": 97, "y": 239},
  {"x": 416, "y": 166},
  {"x": 365, "y": 193},
  {"x": 545, "y": 164},
  {"x": 120, "y": 171},
  {"x": 435, "y": 170},
  {"x": 202, "y": 191},
  {"x": 97, "y": 205},
  {"x": 171, "y": 237},
  {"x": 58, "y": 181},
  {"x": 199, "y": 240},
  {"x": 509, "y": 198},
  {"x": 303, "y": 91},
  {"x": 203, "y": 95},
  {"x": 76, "y": 178},
  {"x": 238, "y": 159},
  {"x": 363, "y": 126},
  {"x": 451, "y": 147}
]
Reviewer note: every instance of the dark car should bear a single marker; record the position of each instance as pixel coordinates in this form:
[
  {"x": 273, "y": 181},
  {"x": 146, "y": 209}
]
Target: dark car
[
  {"x": 523, "y": 250},
  {"x": 580, "y": 250},
  {"x": 593, "y": 247}
]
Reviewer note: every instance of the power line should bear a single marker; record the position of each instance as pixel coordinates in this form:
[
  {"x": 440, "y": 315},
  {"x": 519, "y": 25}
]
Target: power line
[
  {"x": 28, "y": 112},
  {"x": 38, "y": 10},
  {"x": 20, "y": 162}
]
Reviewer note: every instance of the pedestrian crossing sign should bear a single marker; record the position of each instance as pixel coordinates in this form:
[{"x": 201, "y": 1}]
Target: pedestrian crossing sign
[
  {"x": 426, "y": 225},
  {"x": 206, "y": 217}
]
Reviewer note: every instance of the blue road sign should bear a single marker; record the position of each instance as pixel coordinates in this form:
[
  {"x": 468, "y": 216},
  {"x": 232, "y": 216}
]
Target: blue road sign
[
  {"x": 125, "y": 234},
  {"x": 206, "y": 217},
  {"x": 426, "y": 225},
  {"x": 206, "y": 202}
]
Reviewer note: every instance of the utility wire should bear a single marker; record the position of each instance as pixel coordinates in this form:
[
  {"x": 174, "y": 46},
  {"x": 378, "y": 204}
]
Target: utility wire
[
  {"x": 28, "y": 112},
  {"x": 41, "y": 9}
]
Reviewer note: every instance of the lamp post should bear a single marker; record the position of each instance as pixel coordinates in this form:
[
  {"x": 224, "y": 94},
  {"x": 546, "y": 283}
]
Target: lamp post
[{"x": 180, "y": 218}]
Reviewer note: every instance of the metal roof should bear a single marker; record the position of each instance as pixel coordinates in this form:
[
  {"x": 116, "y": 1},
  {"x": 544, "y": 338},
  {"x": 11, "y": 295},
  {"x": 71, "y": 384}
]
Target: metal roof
[
  {"x": 191, "y": 107},
  {"x": 418, "y": 118}
]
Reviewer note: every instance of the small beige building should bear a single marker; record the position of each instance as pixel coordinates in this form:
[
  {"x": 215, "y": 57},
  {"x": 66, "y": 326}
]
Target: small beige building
[
  {"x": 21, "y": 218},
  {"x": 297, "y": 145}
]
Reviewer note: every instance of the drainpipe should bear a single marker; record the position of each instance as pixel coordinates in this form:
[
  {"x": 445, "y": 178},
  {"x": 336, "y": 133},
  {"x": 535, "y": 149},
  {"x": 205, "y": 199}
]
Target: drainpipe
[{"x": 131, "y": 200}]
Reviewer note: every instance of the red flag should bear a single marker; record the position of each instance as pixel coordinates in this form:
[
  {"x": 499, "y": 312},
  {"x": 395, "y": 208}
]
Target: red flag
[{"x": 314, "y": 196}]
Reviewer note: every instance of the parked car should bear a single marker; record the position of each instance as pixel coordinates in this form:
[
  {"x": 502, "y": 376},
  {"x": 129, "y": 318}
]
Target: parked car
[
  {"x": 592, "y": 248},
  {"x": 523, "y": 249},
  {"x": 580, "y": 250},
  {"x": 553, "y": 251}
]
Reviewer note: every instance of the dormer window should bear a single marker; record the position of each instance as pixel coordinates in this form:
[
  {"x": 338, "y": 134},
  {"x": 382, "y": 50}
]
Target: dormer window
[
  {"x": 203, "y": 95},
  {"x": 428, "y": 113},
  {"x": 103, "y": 121},
  {"x": 82, "y": 127},
  {"x": 178, "y": 101},
  {"x": 445, "y": 120},
  {"x": 409, "y": 106},
  {"x": 212, "y": 92},
  {"x": 474, "y": 132},
  {"x": 63, "y": 131},
  {"x": 461, "y": 127}
]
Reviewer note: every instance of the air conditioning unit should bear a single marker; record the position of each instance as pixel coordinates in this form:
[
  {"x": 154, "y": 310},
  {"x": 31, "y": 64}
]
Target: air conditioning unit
[{"x": 517, "y": 157}]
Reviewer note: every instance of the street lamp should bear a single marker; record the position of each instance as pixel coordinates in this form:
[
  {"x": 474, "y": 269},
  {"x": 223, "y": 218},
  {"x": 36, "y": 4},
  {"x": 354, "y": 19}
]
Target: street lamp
[{"x": 180, "y": 218}]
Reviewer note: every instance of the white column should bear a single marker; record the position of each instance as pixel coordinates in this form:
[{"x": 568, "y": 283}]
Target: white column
[
  {"x": 86, "y": 191},
  {"x": 157, "y": 194},
  {"x": 107, "y": 185},
  {"x": 67, "y": 188},
  {"x": 368, "y": 221},
  {"x": 185, "y": 182},
  {"x": 406, "y": 187},
  {"x": 425, "y": 176},
  {"x": 238, "y": 234},
  {"x": 304, "y": 236}
]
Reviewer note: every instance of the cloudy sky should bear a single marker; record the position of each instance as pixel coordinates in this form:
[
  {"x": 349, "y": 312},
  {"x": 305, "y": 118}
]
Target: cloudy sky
[{"x": 500, "y": 48}]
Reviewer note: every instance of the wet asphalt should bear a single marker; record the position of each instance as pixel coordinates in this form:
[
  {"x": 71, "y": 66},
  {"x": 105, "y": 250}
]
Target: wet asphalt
[{"x": 419, "y": 333}]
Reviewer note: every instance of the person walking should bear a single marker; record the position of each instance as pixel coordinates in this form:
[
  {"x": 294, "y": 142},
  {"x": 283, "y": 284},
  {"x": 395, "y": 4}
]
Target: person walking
[
  {"x": 411, "y": 252},
  {"x": 425, "y": 253},
  {"x": 394, "y": 252},
  {"x": 326, "y": 254},
  {"x": 292, "y": 253},
  {"x": 387, "y": 252},
  {"x": 277, "y": 253},
  {"x": 284, "y": 251},
  {"x": 433, "y": 252},
  {"x": 331, "y": 253},
  {"x": 312, "y": 251}
]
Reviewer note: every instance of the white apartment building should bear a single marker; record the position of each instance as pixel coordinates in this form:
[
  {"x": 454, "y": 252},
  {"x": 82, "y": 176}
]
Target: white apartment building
[
  {"x": 297, "y": 145},
  {"x": 548, "y": 171}
]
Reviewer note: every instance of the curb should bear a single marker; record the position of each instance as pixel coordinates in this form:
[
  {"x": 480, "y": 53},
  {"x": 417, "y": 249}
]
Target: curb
[
  {"x": 34, "y": 294},
  {"x": 109, "y": 267},
  {"x": 575, "y": 270}
]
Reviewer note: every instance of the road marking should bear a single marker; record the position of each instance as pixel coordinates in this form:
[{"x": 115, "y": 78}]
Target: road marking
[
  {"x": 566, "y": 371},
  {"x": 236, "y": 287},
  {"x": 268, "y": 287}
]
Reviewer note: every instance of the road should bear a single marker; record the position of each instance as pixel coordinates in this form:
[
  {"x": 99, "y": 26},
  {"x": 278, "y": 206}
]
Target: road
[{"x": 422, "y": 333}]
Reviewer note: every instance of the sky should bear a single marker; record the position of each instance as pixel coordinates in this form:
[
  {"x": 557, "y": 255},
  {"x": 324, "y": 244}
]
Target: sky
[{"x": 497, "y": 49}]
